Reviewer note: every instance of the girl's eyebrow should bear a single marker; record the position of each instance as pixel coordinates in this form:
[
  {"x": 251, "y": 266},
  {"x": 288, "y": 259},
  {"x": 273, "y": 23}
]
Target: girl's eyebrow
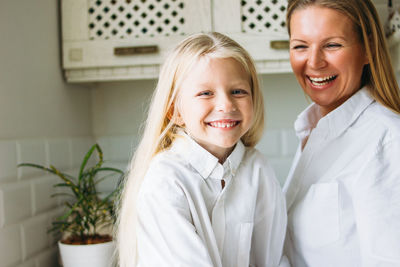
[{"x": 232, "y": 83}]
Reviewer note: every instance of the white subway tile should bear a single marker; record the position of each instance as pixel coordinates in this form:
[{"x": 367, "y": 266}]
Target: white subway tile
[
  {"x": 60, "y": 153},
  {"x": 80, "y": 146},
  {"x": 31, "y": 151},
  {"x": 29, "y": 263},
  {"x": 42, "y": 189},
  {"x": 8, "y": 160},
  {"x": 270, "y": 143},
  {"x": 289, "y": 142},
  {"x": 48, "y": 258},
  {"x": 117, "y": 148},
  {"x": 10, "y": 246},
  {"x": 121, "y": 148},
  {"x": 1, "y": 209},
  {"x": 52, "y": 216},
  {"x": 16, "y": 202},
  {"x": 34, "y": 235}
]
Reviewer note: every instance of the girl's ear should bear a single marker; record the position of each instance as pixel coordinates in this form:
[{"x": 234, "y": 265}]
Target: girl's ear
[
  {"x": 178, "y": 120},
  {"x": 175, "y": 117}
]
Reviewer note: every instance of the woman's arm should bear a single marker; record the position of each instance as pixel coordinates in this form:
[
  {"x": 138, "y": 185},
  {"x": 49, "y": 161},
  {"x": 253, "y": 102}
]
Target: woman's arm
[{"x": 376, "y": 201}]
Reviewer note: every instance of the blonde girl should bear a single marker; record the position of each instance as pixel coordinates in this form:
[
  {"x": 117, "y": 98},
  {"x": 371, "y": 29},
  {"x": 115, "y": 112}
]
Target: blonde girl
[{"x": 198, "y": 193}]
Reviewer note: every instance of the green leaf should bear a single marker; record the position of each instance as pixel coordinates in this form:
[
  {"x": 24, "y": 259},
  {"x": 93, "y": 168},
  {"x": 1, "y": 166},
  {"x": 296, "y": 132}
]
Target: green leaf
[{"x": 86, "y": 158}]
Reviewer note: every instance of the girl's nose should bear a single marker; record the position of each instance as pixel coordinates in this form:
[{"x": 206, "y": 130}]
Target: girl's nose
[
  {"x": 225, "y": 103},
  {"x": 316, "y": 59}
]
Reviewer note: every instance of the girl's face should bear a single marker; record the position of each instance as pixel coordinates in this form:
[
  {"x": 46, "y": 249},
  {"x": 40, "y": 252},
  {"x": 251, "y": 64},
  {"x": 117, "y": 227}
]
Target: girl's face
[
  {"x": 326, "y": 55},
  {"x": 215, "y": 104}
]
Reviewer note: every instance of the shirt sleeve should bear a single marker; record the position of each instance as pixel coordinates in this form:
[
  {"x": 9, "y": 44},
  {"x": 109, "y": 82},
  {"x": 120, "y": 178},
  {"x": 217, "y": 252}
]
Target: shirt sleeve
[
  {"x": 269, "y": 225},
  {"x": 376, "y": 201},
  {"x": 165, "y": 234}
]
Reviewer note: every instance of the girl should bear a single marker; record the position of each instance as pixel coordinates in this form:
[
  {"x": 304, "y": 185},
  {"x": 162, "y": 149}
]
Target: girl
[{"x": 198, "y": 193}]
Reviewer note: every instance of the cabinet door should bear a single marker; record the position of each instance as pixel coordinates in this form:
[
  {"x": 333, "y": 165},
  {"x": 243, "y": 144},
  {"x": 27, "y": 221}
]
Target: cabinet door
[
  {"x": 92, "y": 29},
  {"x": 259, "y": 26},
  {"x": 252, "y": 17}
]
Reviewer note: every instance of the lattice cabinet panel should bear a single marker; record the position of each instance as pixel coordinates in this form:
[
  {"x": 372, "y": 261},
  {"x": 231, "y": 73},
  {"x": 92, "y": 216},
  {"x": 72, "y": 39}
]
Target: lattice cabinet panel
[
  {"x": 261, "y": 16},
  {"x": 107, "y": 40},
  {"x": 133, "y": 19},
  {"x": 116, "y": 19}
]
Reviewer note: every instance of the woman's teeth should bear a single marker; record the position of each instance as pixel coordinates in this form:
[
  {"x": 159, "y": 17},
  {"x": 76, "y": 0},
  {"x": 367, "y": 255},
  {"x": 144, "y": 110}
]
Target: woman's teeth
[
  {"x": 217, "y": 124},
  {"x": 322, "y": 80}
]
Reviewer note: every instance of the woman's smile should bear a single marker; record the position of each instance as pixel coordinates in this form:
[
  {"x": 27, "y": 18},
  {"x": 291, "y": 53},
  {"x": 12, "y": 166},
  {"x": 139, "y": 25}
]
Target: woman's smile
[{"x": 326, "y": 56}]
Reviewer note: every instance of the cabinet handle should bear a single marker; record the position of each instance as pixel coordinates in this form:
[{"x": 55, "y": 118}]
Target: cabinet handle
[
  {"x": 280, "y": 44},
  {"x": 135, "y": 50}
]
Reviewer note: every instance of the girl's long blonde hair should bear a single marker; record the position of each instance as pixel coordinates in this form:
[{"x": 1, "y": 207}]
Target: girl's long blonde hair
[
  {"x": 378, "y": 74},
  {"x": 160, "y": 130}
]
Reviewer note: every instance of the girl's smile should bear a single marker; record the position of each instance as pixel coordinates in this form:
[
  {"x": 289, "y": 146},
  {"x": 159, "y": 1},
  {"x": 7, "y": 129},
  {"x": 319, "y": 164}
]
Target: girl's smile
[{"x": 224, "y": 124}]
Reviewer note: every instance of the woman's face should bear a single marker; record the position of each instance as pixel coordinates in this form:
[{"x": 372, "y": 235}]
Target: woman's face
[{"x": 326, "y": 55}]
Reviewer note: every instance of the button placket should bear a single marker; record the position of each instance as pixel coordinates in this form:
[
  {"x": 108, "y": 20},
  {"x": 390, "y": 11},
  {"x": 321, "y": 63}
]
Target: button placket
[{"x": 218, "y": 214}]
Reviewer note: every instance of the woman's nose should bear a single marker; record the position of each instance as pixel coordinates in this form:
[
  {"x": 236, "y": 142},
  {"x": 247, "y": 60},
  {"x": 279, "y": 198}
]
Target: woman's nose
[{"x": 316, "y": 59}]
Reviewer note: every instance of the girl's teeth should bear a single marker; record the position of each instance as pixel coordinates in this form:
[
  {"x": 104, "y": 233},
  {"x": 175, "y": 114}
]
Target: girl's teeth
[{"x": 222, "y": 125}]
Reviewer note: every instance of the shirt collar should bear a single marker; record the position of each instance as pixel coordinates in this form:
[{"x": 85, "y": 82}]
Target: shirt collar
[
  {"x": 203, "y": 161},
  {"x": 335, "y": 122}
]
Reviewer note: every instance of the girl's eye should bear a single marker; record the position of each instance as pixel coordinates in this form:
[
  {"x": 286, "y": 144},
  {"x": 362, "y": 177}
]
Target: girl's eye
[
  {"x": 205, "y": 93},
  {"x": 239, "y": 92}
]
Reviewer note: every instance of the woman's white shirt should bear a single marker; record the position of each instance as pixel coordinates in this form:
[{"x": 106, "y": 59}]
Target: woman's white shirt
[
  {"x": 187, "y": 219},
  {"x": 343, "y": 191}
]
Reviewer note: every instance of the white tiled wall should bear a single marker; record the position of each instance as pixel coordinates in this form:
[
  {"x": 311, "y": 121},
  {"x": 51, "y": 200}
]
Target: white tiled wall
[
  {"x": 280, "y": 146},
  {"x": 26, "y": 206}
]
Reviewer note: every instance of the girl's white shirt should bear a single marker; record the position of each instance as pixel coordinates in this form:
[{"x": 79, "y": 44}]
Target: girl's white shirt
[
  {"x": 185, "y": 218},
  {"x": 343, "y": 191}
]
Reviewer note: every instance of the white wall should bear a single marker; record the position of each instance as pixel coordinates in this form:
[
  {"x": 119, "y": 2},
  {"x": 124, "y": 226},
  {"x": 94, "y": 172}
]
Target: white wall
[{"x": 42, "y": 120}]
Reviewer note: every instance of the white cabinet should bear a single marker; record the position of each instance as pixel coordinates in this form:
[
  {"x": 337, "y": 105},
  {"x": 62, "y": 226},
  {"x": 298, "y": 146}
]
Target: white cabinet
[
  {"x": 259, "y": 26},
  {"x": 106, "y": 40}
]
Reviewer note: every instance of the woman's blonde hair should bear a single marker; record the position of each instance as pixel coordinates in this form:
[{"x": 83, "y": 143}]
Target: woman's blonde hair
[
  {"x": 378, "y": 74},
  {"x": 160, "y": 129}
]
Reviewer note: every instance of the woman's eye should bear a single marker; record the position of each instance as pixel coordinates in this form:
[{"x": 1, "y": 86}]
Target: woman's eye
[
  {"x": 333, "y": 45},
  {"x": 297, "y": 47}
]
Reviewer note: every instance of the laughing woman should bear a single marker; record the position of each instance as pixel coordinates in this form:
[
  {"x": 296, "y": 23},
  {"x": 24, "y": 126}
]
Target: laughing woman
[{"x": 343, "y": 191}]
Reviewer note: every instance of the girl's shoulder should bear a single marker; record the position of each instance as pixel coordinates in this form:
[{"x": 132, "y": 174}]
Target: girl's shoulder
[
  {"x": 257, "y": 162},
  {"x": 166, "y": 163},
  {"x": 163, "y": 176}
]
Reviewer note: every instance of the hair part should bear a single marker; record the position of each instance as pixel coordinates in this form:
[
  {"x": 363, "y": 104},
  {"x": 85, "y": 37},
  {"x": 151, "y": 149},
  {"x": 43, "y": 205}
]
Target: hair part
[
  {"x": 161, "y": 127},
  {"x": 378, "y": 74}
]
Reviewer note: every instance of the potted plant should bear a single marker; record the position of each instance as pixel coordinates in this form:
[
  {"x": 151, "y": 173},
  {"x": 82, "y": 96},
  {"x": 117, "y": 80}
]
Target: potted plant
[{"x": 86, "y": 214}]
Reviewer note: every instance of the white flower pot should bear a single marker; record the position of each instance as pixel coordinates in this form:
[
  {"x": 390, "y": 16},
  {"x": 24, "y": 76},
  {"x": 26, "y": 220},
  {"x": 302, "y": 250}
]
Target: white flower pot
[{"x": 95, "y": 255}]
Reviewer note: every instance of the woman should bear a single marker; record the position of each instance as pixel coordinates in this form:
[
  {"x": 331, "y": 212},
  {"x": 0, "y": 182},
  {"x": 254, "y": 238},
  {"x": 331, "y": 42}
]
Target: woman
[{"x": 343, "y": 191}]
